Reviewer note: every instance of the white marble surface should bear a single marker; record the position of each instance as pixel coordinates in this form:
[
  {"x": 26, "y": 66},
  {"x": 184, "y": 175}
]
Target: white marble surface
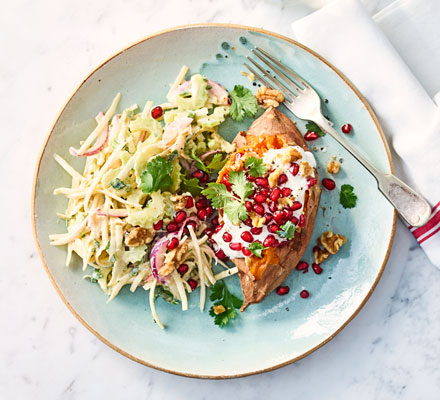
[{"x": 391, "y": 350}]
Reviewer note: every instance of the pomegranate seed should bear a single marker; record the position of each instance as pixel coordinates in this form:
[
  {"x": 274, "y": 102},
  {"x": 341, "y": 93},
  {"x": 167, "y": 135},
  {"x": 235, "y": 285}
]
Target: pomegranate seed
[
  {"x": 209, "y": 211},
  {"x": 294, "y": 169},
  {"x": 192, "y": 283},
  {"x": 260, "y": 198},
  {"x": 201, "y": 214},
  {"x": 294, "y": 220},
  {"x": 201, "y": 203},
  {"x": 282, "y": 290},
  {"x": 172, "y": 227},
  {"x": 273, "y": 228},
  {"x": 158, "y": 225},
  {"x": 212, "y": 241},
  {"x": 227, "y": 237},
  {"x": 256, "y": 231},
  {"x": 248, "y": 205},
  {"x": 214, "y": 221},
  {"x": 209, "y": 232},
  {"x": 268, "y": 218},
  {"x": 220, "y": 254},
  {"x": 346, "y": 128},
  {"x": 198, "y": 174},
  {"x": 311, "y": 181},
  {"x": 282, "y": 179},
  {"x": 225, "y": 179},
  {"x": 317, "y": 268},
  {"x": 259, "y": 209},
  {"x": 304, "y": 294},
  {"x": 229, "y": 100},
  {"x": 173, "y": 243},
  {"x": 246, "y": 252},
  {"x": 286, "y": 192},
  {"x": 288, "y": 214},
  {"x": 192, "y": 224},
  {"x": 189, "y": 202},
  {"x": 157, "y": 112},
  {"x": 329, "y": 184},
  {"x": 302, "y": 266},
  {"x": 270, "y": 241},
  {"x": 302, "y": 221},
  {"x": 278, "y": 216},
  {"x": 204, "y": 178},
  {"x": 251, "y": 178},
  {"x": 309, "y": 136},
  {"x": 235, "y": 246},
  {"x": 248, "y": 222},
  {"x": 180, "y": 217},
  {"x": 265, "y": 191},
  {"x": 296, "y": 205},
  {"x": 275, "y": 195},
  {"x": 273, "y": 206},
  {"x": 284, "y": 243},
  {"x": 183, "y": 269},
  {"x": 247, "y": 236},
  {"x": 262, "y": 182}
]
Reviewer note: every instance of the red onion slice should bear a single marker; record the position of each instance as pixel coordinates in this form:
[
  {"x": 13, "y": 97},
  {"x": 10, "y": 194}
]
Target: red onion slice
[{"x": 96, "y": 148}]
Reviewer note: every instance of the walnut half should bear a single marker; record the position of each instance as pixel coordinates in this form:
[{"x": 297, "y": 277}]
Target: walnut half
[
  {"x": 267, "y": 97},
  {"x": 139, "y": 236},
  {"x": 331, "y": 242}
]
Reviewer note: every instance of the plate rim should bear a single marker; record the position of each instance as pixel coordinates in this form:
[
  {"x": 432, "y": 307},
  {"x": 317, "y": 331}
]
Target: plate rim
[{"x": 119, "y": 52}]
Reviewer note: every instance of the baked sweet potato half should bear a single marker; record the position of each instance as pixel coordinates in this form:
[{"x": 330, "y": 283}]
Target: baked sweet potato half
[{"x": 280, "y": 210}]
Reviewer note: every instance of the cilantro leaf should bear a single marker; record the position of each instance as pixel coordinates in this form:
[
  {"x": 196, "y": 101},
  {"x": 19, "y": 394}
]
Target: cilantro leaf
[
  {"x": 117, "y": 184},
  {"x": 287, "y": 230},
  {"x": 240, "y": 185},
  {"x": 217, "y": 163},
  {"x": 232, "y": 202},
  {"x": 256, "y": 166},
  {"x": 347, "y": 197},
  {"x": 312, "y": 127},
  {"x": 227, "y": 300},
  {"x": 165, "y": 294},
  {"x": 218, "y": 194},
  {"x": 156, "y": 175},
  {"x": 257, "y": 249},
  {"x": 191, "y": 185},
  {"x": 236, "y": 211},
  {"x": 243, "y": 102}
]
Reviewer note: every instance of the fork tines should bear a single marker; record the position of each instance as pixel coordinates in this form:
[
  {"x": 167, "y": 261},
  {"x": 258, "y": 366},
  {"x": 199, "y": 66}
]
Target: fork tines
[{"x": 285, "y": 79}]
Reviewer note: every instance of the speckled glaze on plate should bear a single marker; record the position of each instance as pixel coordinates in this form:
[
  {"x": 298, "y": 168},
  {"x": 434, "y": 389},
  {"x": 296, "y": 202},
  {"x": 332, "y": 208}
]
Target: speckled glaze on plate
[{"x": 280, "y": 330}]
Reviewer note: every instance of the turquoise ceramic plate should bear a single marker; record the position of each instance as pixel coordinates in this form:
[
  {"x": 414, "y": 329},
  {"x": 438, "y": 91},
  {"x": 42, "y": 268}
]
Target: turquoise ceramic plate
[{"x": 280, "y": 330}]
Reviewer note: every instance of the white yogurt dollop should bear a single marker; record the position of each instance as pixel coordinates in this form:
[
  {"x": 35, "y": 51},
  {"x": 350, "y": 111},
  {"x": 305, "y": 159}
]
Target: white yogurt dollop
[{"x": 273, "y": 158}]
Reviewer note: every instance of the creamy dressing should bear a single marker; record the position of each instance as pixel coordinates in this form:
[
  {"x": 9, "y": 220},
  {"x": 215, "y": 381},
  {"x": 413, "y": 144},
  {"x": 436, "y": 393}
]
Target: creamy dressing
[{"x": 298, "y": 184}]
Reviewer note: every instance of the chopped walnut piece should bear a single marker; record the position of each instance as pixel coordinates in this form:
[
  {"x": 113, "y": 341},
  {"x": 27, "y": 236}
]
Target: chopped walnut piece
[
  {"x": 218, "y": 309},
  {"x": 273, "y": 177},
  {"x": 320, "y": 255},
  {"x": 333, "y": 167},
  {"x": 305, "y": 169},
  {"x": 332, "y": 242},
  {"x": 285, "y": 201},
  {"x": 267, "y": 97},
  {"x": 173, "y": 259},
  {"x": 294, "y": 154},
  {"x": 139, "y": 236},
  {"x": 179, "y": 202},
  {"x": 257, "y": 221}
]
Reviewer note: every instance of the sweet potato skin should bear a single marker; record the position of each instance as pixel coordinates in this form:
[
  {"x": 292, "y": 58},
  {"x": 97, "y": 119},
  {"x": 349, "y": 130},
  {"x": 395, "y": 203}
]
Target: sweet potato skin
[{"x": 274, "y": 122}]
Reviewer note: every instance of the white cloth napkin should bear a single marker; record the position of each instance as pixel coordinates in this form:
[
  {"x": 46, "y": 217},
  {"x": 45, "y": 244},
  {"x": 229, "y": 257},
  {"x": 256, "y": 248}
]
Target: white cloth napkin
[{"x": 346, "y": 35}]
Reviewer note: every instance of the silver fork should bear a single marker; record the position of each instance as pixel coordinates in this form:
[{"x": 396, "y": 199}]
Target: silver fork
[{"x": 303, "y": 101}]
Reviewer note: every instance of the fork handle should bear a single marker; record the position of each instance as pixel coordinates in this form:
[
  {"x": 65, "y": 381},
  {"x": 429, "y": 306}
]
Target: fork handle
[{"x": 410, "y": 205}]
